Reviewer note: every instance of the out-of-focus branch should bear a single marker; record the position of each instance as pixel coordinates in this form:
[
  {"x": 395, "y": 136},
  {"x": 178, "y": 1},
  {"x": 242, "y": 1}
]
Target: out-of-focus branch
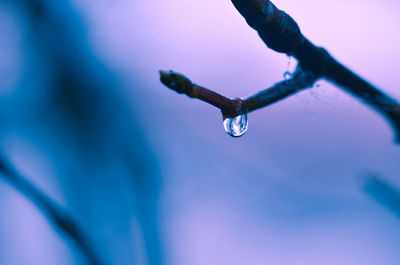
[
  {"x": 234, "y": 107},
  {"x": 384, "y": 193},
  {"x": 281, "y": 33},
  {"x": 61, "y": 220}
]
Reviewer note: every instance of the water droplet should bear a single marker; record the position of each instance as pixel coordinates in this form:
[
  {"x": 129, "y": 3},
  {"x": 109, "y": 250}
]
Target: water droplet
[
  {"x": 237, "y": 126},
  {"x": 287, "y": 75},
  {"x": 291, "y": 68}
]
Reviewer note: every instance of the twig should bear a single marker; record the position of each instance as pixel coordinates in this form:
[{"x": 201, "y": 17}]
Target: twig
[
  {"x": 281, "y": 33},
  {"x": 60, "y": 219},
  {"x": 231, "y": 108}
]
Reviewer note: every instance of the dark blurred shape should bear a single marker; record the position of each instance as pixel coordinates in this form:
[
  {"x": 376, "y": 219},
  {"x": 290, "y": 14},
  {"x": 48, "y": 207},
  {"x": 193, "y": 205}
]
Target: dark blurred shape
[
  {"x": 59, "y": 218},
  {"x": 384, "y": 193},
  {"x": 90, "y": 134}
]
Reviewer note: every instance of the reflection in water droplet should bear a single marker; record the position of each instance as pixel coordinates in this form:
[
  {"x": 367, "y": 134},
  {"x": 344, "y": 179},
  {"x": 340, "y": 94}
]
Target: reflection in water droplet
[{"x": 237, "y": 126}]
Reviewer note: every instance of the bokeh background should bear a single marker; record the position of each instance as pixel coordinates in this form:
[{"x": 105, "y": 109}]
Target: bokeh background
[{"x": 152, "y": 177}]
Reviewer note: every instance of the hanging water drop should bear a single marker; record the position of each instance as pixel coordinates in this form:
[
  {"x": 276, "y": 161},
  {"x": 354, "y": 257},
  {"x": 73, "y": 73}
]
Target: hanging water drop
[
  {"x": 237, "y": 126},
  {"x": 287, "y": 75},
  {"x": 291, "y": 68}
]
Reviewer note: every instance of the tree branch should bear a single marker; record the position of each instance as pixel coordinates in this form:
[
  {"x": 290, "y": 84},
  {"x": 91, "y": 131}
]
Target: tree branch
[
  {"x": 233, "y": 107},
  {"x": 54, "y": 213},
  {"x": 281, "y": 33}
]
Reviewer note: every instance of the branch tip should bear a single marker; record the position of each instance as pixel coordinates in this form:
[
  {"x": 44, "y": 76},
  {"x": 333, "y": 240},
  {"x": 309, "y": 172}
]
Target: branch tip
[{"x": 176, "y": 81}]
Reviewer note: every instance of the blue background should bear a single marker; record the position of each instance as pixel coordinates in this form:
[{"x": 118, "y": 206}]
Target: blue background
[{"x": 152, "y": 176}]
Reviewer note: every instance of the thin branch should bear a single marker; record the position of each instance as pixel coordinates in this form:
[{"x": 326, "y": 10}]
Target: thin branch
[
  {"x": 182, "y": 85},
  {"x": 234, "y": 107},
  {"x": 299, "y": 81},
  {"x": 281, "y": 33},
  {"x": 54, "y": 213}
]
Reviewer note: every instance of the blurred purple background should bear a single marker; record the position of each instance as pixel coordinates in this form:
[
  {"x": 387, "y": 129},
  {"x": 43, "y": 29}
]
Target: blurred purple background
[{"x": 289, "y": 192}]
